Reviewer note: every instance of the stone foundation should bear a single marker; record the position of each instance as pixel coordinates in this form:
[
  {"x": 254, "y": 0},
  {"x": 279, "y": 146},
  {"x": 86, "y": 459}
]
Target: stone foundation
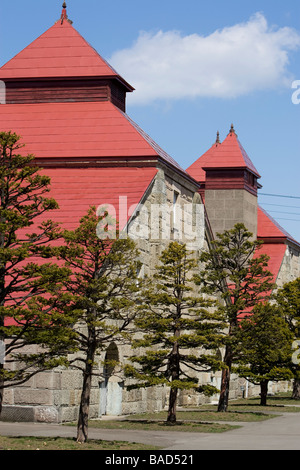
[{"x": 48, "y": 404}]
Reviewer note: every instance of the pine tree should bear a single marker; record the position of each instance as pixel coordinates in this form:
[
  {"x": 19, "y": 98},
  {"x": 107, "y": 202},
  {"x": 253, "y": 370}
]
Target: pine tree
[
  {"x": 180, "y": 332},
  {"x": 264, "y": 348},
  {"x": 234, "y": 270},
  {"x": 104, "y": 288},
  {"x": 288, "y": 300},
  {"x": 29, "y": 286}
]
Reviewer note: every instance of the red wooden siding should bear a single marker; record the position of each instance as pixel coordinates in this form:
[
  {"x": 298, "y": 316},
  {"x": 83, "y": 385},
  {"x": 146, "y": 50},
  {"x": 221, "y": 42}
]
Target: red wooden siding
[{"x": 46, "y": 91}]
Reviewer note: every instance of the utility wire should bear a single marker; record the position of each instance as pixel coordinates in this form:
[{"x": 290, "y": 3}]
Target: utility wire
[
  {"x": 279, "y": 195},
  {"x": 292, "y": 220},
  {"x": 279, "y": 205},
  {"x": 284, "y": 212}
]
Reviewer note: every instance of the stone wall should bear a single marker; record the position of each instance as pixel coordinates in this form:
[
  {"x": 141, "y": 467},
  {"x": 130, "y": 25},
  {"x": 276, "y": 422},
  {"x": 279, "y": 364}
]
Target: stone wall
[
  {"x": 159, "y": 219},
  {"x": 290, "y": 266},
  {"x": 227, "y": 207}
]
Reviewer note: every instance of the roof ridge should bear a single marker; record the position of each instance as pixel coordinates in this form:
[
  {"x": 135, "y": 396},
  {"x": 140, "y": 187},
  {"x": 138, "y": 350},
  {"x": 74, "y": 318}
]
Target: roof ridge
[{"x": 156, "y": 147}]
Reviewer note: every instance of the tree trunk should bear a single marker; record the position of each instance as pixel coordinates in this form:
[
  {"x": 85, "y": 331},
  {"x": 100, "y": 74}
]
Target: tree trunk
[
  {"x": 1, "y": 388},
  {"x": 263, "y": 392},
  {"x": 82, "y": 425},
  {"x": 2, "y": 356},
  {"x": 225, "y": 381},
  {"x": 172, "y": 406},
  {"x": 296, "y": 389},
  {"x": 2, "y": 323},
  {"x": 174, "y": 367}
]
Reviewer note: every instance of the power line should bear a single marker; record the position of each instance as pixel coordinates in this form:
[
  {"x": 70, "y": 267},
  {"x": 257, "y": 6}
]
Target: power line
[
  {"x": 284, "y": 212},
  {"x": 279, "y": 205},
  {"x": 292, "y": 220},
  {"x": 279, "y": 195}
]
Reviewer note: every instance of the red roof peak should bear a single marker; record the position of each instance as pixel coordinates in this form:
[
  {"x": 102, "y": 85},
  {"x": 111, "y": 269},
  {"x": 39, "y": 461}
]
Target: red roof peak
[
  {"x": 60, "y": 52},
  {"x": 232, "y": 131},
  {"x": 228, "y": 154},
  {"x": 231, "y": 154}
]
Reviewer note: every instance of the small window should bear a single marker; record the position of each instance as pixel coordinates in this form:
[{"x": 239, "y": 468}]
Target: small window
[{"x": 175, "y": 199}]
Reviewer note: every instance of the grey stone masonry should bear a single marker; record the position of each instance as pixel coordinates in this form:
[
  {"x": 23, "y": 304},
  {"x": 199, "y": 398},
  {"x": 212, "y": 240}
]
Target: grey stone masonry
[{"x": 227, "y": 207}]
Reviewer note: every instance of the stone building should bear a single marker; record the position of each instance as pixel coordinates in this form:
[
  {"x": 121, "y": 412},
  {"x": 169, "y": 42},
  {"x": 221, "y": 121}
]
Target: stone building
[{"x": 69, "y": 106}]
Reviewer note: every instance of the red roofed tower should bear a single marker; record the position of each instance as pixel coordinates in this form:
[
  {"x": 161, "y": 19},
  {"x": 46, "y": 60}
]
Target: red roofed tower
[
  {"x": 60, "y": 66},
  {"x": 228, "y": 183},
  {"x": 69, "y": 106}
]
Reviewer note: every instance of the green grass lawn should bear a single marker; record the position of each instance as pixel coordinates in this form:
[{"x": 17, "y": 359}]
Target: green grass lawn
[
  {"x": 58, "y": 443},
  {"x": 282, "y": 403},
  {"x": 158, "y": 423},
  {"x": 204, "y": 415}
]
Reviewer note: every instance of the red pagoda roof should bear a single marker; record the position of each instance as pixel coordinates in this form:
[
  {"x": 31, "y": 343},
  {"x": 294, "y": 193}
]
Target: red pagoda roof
[
  {"x": 65, "y": 130},
  {"x": 229, "y": 154},
  {"x": 60, "y": 52},
  {"x": 83, "y": 130}
]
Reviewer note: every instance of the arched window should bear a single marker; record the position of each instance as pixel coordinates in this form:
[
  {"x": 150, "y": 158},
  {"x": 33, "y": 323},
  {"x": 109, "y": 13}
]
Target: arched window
[
  {"x": 111, "y": 387},
  {"x": 111, "y": 359}
]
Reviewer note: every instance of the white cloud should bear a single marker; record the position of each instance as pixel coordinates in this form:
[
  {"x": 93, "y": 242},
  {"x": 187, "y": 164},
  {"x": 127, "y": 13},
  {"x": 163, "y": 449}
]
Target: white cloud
[{"x": 228, "y": 63}]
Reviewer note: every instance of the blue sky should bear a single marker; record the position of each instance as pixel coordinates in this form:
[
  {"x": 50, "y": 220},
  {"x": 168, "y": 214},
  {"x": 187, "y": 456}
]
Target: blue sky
[{"x": 197, "y": 67}]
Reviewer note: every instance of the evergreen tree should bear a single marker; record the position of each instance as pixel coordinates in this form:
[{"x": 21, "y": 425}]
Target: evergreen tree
[
  {"x": 104, "y": 289},
  {"x": 234, "y": 270},
  {"x": 264, "y": 348},
  {"x": 288, "y": 300},
  {"x": 180, "y": 332},
  {"x": 27, "y": 315}
]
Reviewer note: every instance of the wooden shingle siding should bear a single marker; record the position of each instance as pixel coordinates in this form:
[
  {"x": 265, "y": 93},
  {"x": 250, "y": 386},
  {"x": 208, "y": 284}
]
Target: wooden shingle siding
[{"x": 65, "y": 91}]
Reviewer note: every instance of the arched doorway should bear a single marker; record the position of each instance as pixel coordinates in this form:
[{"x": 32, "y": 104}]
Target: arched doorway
[{"x": 111, "y": 387}]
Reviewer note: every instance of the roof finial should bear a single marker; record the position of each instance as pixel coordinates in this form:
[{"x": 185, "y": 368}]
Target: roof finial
[
  {"x": 232, "y": 131},
  {"x": 218, "y": 138},
  {"x": 64, "y": 15}
]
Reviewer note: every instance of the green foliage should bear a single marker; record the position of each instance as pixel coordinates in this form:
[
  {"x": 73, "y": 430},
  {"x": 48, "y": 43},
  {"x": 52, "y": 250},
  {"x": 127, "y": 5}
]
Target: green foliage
[
  {"x": 180, "y": 330},
  {"x": 234, "y": 271},
  {"x": 288, "y": 301},
  {"x": 104, "y": 291},
  {"x": 264, "y": 351},
  {"x": 103, "y": 284},
  {"x": 29, "y": 287}
]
